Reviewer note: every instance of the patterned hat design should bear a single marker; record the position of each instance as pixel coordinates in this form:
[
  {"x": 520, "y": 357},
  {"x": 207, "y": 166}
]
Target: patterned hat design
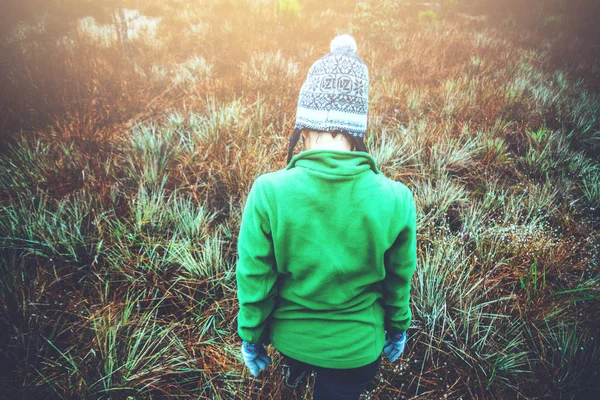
[{"x": 334, "y": 96}]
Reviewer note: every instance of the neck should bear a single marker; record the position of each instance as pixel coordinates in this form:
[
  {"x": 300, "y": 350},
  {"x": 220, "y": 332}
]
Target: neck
[{"x": 325, "y": 141}]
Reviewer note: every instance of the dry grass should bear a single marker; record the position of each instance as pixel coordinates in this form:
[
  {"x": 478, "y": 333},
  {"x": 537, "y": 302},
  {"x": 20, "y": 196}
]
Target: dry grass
[{"x": 126, "y": 167}]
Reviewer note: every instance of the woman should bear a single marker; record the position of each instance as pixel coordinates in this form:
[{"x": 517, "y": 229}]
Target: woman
[{"x": 327, "y": 246}]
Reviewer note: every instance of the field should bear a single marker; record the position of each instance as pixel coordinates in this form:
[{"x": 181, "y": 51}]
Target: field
[{"x": 133, "y": 131}]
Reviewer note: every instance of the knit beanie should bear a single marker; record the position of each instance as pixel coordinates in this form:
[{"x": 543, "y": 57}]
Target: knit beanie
[{"x": 334, "y": 97}]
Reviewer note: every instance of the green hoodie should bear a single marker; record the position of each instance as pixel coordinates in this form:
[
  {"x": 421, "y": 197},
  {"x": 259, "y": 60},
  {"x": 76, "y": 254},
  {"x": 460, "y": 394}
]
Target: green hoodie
[{"x": 327, "y": 249}]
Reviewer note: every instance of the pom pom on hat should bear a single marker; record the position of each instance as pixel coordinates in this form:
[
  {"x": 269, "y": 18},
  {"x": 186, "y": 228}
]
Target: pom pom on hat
[{"x": 343, "y": 43}]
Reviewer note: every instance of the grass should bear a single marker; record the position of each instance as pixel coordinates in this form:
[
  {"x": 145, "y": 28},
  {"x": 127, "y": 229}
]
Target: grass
[{"x": 126, "y": 167}]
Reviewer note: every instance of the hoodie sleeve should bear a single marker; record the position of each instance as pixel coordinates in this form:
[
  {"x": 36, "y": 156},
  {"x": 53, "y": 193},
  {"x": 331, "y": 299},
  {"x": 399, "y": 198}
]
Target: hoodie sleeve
[
  {"x": 400, "y": 263},
  {"x": 256, "y": 272}
]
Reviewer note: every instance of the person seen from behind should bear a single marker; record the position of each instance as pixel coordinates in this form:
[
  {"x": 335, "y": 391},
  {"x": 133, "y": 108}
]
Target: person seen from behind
[{"x": 327, "y": 245}]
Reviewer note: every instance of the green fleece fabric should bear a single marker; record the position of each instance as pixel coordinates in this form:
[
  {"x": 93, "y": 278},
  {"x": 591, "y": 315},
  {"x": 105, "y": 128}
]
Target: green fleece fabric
[{"x": 327, "y": 250}]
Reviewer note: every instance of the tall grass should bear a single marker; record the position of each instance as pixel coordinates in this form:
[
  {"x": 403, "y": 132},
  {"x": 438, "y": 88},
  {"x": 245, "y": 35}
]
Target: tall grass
[
  {"x": 125, "y": 351},
  {"x": 38, "y": 226}
]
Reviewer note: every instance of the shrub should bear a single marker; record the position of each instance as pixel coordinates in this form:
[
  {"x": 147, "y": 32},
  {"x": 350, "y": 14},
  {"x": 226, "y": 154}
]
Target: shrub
[
  {"x": 427, "y": 16},
  {"x": 288, "y": 10}
]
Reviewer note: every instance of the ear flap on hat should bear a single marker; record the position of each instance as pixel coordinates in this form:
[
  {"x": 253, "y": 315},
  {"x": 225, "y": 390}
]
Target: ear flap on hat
[{"x": 293, "y": 140}]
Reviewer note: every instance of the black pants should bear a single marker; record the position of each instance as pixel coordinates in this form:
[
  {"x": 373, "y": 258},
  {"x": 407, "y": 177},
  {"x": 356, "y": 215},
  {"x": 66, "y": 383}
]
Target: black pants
[{"x": 336, "y": 384}]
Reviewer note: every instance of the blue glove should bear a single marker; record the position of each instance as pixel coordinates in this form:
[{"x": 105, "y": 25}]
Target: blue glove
[
  {"x": 255, "y": 357},
  {"x": 395, "y": 346}
]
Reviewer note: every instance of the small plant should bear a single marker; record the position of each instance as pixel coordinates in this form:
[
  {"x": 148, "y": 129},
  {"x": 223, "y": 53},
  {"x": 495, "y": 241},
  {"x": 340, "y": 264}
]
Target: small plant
[
  {"x": 533, "y": 283},
  {"x": 435, "y": 198},
  {"x": 427, "y": 16},
  {"x": 569, "y": 357},
  {"x": 539, "y": 134},
  {"x": 510, "y": 21},
  {"x": 476, "y": 64},
  {"x": 591, "y": 188},
  {"x": 192, "y": 72},
  {"x": 288, "y": 10},
  {"x": 64, "y": 230},
  {"x": 150, "y": 150},
  {"x": 267, "y": 72},
  {"x": 552, "y": 21}
]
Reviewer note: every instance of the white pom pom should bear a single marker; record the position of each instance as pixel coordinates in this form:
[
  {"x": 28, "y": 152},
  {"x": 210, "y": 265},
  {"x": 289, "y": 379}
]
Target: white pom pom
[{"x": 344, "y": 43}]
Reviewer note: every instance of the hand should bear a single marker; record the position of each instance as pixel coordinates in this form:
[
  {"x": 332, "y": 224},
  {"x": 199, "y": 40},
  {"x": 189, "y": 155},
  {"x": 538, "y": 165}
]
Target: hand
[
  {"x": 255, "y": 357},
  {"x": 395, "y": 346}
]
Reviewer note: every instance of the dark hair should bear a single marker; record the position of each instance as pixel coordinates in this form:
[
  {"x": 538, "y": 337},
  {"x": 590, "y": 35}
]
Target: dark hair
[{"x": 357, "y": 142}]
